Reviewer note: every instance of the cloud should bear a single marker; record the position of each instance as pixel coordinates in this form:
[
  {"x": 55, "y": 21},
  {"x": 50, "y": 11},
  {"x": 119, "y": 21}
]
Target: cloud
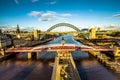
[
  {"x": 16, "y": 1},
  {"x": 117, "y": 15},
  {"x": 34, "y": 0},
  {"x": 49, "y": 15},
  {"x": 66, "y": 15},
  {"x": 52, "y": 2},
  {"x": 34, "y": 13},
  {"x": 113, "y": 26}
]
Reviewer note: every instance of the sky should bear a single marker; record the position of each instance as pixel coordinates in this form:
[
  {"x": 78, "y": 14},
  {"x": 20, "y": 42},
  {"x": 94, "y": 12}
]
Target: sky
[{"x": 42, "y": 14}]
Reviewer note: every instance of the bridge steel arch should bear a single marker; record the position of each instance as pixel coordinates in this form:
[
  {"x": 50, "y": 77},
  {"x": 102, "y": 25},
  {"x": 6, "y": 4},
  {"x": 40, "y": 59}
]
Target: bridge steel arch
[
  {"x": 63, "y": 24},
  {"x": 60, "y": 25}
]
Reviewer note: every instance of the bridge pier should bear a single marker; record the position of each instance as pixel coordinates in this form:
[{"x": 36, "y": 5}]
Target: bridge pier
[
  {"x": 33, "y": 54},
  {"x": 37, "y": 55},
  {"x": 36, "y": 35},
  {"x": 92, "y": 33},
  {"x": 2, "y": 52},
  {"x": 116, "y": 52},
  {"x": 29, "y": 55}
]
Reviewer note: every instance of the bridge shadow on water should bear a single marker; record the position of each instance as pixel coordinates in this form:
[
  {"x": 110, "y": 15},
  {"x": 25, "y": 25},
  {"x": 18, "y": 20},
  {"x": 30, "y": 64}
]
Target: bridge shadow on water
[{"x": 81, "y": 71}]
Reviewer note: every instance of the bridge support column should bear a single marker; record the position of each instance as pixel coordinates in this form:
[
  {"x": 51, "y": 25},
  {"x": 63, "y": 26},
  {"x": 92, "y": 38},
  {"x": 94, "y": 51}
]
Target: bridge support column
[
  {"x": 92, "y": 33},
  {"x": 30, "y": 55},
  {"x": 33, "y": 54},
  {"x": 36, "y": 34},
  {"x": 116, "y": 52},
  {"x": 37, "y": 55}
]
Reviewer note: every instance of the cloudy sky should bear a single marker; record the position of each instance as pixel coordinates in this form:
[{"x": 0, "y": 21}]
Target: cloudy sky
[{"x": 42, "y": 14}]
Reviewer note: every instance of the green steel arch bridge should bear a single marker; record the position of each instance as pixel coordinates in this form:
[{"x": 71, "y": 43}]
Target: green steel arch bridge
[
  {"x": 63, "y": 24},
  {"x": 66, "y": 25}
]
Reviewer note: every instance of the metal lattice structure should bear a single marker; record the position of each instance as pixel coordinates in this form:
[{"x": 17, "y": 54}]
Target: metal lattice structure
[
  {"x": 64, "y": 67},
  {"x": 63, "y": 24}
]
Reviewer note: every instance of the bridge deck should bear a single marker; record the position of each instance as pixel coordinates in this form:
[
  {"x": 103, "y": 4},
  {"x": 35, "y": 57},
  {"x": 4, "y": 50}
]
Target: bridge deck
[
  {"x": 64, "y": 67},
  {"x": 58, "y": 47}
]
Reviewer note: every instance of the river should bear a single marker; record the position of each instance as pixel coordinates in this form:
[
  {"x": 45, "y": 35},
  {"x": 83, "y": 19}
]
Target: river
[{"x": 19, "y": 68}]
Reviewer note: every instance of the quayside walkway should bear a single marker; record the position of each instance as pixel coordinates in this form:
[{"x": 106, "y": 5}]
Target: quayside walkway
[{"x": 64, "y": 67}]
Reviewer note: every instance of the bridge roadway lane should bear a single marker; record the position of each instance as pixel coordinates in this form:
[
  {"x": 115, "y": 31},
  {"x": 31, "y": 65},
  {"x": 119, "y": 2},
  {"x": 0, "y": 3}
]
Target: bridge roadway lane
[{"x": 56, "y": 47}]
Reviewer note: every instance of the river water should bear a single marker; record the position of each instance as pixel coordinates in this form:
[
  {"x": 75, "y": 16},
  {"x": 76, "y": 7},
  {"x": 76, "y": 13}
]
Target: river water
[{"x": 19, "y": 68}]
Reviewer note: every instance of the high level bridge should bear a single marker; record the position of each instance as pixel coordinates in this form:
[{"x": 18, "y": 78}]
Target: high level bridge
[{"x": 64, "y": 67}]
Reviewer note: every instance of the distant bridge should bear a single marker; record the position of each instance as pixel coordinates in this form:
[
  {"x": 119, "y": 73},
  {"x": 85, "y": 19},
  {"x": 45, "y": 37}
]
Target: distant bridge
[{"x": 61, "y": 25}]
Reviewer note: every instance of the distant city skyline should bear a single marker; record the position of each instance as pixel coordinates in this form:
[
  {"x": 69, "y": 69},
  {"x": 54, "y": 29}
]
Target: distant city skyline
[{"x": 42, "y": 14}]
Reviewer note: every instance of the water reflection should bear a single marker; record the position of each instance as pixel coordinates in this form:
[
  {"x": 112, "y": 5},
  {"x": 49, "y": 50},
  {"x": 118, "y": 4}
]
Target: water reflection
[
  {"x": 93, "y": 70},
  {"x": 18, "y": 69}
]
